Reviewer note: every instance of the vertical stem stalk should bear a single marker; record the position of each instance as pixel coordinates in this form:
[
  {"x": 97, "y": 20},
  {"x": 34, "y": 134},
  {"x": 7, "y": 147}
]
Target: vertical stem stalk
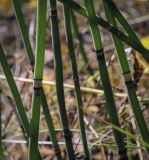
[
  {"x": 105, "y": 76},
  {"x": 31, "y": 58},
  {"x": 106, "y": 25},
  {"x": 80, "y": 39},
  {"x": 38, "y": 74},
  {"x": 128, "y": 79},
  {"x": 76, "y": 79},
  {"x": 59, "y": 80},
  {"x": 14, "y": 90},
  {"x": 22, "y": 26}
]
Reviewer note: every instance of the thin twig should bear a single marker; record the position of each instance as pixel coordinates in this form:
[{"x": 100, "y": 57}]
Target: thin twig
[{"x": 84, "y": 89}]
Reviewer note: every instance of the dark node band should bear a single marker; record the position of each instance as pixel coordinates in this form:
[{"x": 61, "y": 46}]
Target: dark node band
[
  {"x": 115, "y": 30},
  {"x": 53, "y": 13},
  {"x": 130, "y": 82},
  {"x": 67, "y": 134},
  {"x": 75, "y": 78},
  {"x": 100, "y": 57},
  {"x": 109, "y": 27},
  {"x": 99, "y": 54},
  {"x": 127, "y": 77},
  {"x": 37, "y": 84}
]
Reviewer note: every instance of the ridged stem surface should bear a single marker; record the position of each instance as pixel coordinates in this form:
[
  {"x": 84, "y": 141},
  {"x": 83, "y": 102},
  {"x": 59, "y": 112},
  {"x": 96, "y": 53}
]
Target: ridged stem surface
[{"x": 72, "y": 58}]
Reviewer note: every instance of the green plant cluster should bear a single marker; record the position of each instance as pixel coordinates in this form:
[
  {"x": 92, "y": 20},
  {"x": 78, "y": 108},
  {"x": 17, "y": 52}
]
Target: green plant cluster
[{"x": 31, "y": 128}]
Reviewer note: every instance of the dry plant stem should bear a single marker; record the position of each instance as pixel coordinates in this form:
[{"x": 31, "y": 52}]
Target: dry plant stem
[
  {"x": 69, "y": 86},
  {"x": 127, "y": 77},
  {"x": 106, "y": 25},
  {"x": 38, "y": 74},
  {"x": 31, "y": 58},
  {"x": 76, "y": 80},
  {"x": 59, "y": 80},
  {"x": 104, "y": 75},
  {"x": 80, "y": 39}
]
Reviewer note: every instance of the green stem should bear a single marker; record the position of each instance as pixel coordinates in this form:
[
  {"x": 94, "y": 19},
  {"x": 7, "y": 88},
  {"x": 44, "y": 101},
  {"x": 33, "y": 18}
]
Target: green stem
[
  {"x": 117, "y": 14},
  {"x": 45, "y": 107},
  {"x": 14, "y": 90},
  {"x": 16, "y": 95},
  {"x": 22, "y": 26},
  {"x": 128, "y": 79},
  {"x": 50, "y": 126},
  {"x": 76, "y": 79},
  {"x": 59, "y": 79},
  {"x": 38, "y": 74},
  {"x": 80, "y": 39},
  {"x": 119, "y": 34},
  {"x": 104, "y": 75},
  {"x": 34, "y": 125}
]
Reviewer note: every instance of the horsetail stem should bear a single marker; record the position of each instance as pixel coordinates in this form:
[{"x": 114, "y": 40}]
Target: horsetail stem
[
  {"x": 127, "y": 77},
  {"x": 104, "y": 75},
  {"x": 31, "y": 58},
  {"x": 80, "y": 39},
  {"x": 59, "y": 79},
  {"x": 38, "y": 74},
  {"x": 76, "y": 79},
  {"x": 107, "y": 26}
]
